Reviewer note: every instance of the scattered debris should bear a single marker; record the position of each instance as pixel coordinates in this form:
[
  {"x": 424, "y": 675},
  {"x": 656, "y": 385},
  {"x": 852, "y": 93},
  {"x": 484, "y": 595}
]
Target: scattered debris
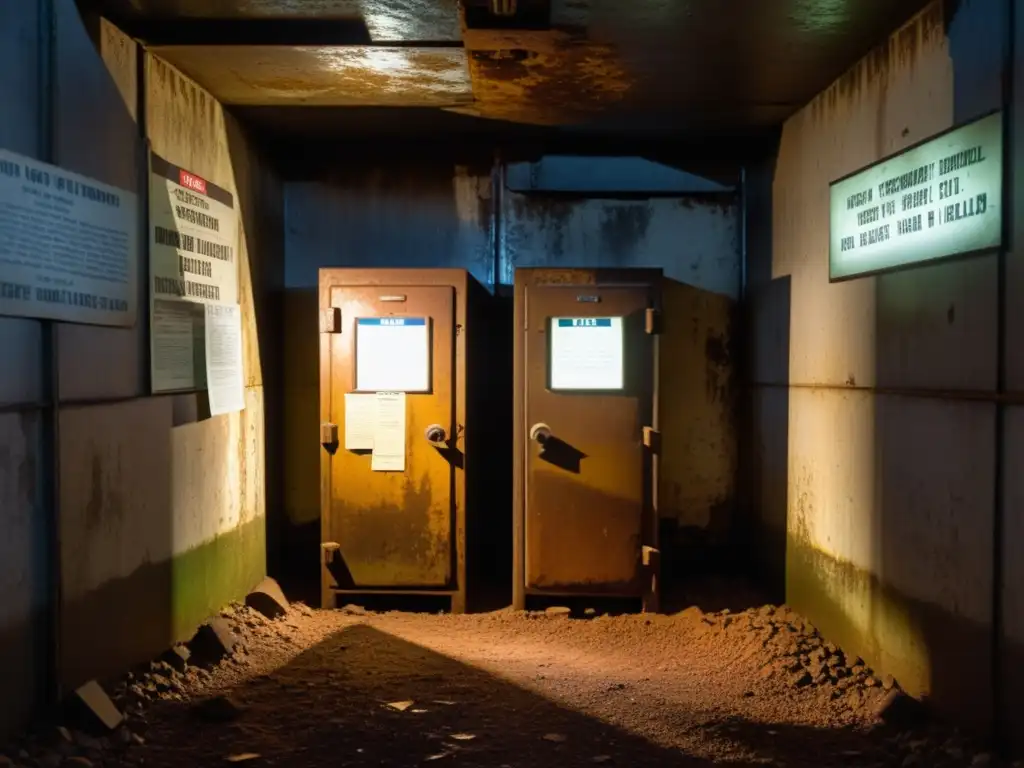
[
  {"x": 213, "y": 642},
  {"x": 93, "y": 708},
  {"x": 218, "y": 709},
  {"x": 901, "y": 711},
  {"x": 177, "y": 657},
  {"x": 747, "y": 671},
  {"x": 558, "y": 612},
  {"x": 268, "y": 599}
]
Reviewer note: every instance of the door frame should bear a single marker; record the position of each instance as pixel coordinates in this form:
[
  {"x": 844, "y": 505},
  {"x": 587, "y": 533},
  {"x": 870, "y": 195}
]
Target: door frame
[
  {"x": 540, "y": 277},
  {"x": 359, "y": 277}
]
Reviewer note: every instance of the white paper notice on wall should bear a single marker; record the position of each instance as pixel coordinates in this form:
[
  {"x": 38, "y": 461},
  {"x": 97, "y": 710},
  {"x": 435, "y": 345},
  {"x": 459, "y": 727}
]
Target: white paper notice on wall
[
  {"x": 224, "y": 381},
  {"x": 389, "y": 433},
  {"x": 193, "y": 261},
  {"x": 393, "y": 354},
  {"x": 69, "y": 245},
  {"x": 173, "y": 331},
  {"x": 586, "y": 353},
  {"x": 360, "y": 421}
]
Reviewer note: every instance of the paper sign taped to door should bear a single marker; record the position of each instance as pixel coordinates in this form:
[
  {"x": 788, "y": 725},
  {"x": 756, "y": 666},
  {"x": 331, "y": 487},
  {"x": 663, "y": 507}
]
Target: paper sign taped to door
[
  {"x": 392, "y": 354},
  {"x": 360, "y": 421},
  {"x": 586, "y": 353},
  {"x": 389, "y": 433}
]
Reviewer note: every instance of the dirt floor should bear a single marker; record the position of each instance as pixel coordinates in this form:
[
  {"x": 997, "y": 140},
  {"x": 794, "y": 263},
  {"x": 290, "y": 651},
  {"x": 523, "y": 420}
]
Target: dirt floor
[{"x": 524, "y": 690}]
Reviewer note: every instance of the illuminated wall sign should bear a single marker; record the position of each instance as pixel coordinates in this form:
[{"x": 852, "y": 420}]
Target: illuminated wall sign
[{"x": 938, "y": 199}]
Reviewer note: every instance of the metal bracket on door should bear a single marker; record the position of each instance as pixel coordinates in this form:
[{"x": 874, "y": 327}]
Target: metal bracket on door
[
  {"x": 652, "y": 439},
  {"x": 330, "y": 320},
  {"x": 652, "y": 321},
  {"x": 328, "y": 435}
]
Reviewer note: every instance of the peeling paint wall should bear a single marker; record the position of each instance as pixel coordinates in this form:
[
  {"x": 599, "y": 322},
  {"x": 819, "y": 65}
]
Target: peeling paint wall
[
  {"x": 168, "y": 509},
  {"x": 162, "y": 514},
  {"x": 694, "y": 239},
  {"x": 888, "y": 477}
]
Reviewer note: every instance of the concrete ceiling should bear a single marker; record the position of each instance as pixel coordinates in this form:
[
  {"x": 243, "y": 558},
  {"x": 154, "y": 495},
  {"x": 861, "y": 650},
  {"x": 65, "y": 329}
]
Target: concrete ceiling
[{"x": 685, "y": 67}]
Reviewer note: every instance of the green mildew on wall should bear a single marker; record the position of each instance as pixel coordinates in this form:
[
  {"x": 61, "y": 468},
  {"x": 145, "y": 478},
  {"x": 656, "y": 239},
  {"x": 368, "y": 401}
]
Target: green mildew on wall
[
  {"x": 133, "y": 619},
  {"x": 205, "y": 578},
  {"x": 934, "y": 654}
]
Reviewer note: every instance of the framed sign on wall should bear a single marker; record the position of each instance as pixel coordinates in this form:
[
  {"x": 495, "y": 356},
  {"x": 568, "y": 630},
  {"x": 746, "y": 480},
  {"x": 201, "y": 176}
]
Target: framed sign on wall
[{"x": 935, "y": 200}]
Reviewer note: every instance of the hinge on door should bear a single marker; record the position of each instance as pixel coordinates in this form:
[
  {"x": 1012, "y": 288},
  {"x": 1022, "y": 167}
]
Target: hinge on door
[
  {"x": 328, "y": 434},
  {"x": 330, "y": 320},
  {"x": 330, "y": 550},
  {"x": 649, "y": 555},
  {"x": 652, "y": 439},
  {"x": 652, "y": 321}
]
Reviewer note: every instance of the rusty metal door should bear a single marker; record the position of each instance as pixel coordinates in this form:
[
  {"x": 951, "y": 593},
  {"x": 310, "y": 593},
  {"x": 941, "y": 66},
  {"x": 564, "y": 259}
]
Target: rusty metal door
[
  {"x": 394, "y": 529},
  {"x": 588, "y": 473}
]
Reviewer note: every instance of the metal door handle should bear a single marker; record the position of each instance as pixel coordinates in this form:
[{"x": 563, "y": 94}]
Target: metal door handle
[
  {"x": 540, "y": 432},
  {"x": 436, "y": 434}
]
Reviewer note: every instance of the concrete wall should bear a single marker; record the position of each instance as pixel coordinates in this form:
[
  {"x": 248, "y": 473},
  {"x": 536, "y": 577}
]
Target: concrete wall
[
  {"x": 874, "y": 416},
  {"x": 443, "y": 214},
  {"x": 695, "y": 239},
  {"x": 161, "y": 511},
  {"x": 1010, "y": 704},
  {"x": 167, "y": 509}
]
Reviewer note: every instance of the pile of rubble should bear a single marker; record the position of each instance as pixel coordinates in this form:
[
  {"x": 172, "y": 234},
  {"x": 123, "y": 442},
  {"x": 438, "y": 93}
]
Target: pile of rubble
[
  {"x": 101, "y": 730},
  {"x": 792, "y": 651}
]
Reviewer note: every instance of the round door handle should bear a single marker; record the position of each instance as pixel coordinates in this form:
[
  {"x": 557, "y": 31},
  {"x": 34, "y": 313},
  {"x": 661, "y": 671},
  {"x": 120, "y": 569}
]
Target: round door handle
[
  {"x": 436, "y": 434},
  {"x": 540, "y": 433}
]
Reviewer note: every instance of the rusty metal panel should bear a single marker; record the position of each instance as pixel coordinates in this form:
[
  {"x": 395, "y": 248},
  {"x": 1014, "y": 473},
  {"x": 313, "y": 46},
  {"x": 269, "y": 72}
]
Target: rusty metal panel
[
  {"x": 335, "y": 76},
  {"x": 393, "y": 529},
  {"x": 698, "y": 465},
  {"x": 586, "y": 498}
]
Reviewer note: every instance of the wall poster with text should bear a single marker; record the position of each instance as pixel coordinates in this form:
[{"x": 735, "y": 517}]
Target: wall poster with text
[{"x": 193, "y": 265}]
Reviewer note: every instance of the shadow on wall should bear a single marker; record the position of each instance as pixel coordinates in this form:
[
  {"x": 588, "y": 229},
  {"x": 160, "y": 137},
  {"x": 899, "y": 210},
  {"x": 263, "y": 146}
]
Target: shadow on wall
[
  {"x": 764, "y": 448},
  {"x": 921, "y": 613},
  {"x": 299, "y": 535},
  {"x": 261, "y": 209}
]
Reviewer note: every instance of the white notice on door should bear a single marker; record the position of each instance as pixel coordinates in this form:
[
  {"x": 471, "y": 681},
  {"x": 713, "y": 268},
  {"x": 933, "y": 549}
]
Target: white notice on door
[
  {"x": 586, "y": 353},
  {"x": 360, "y": 421},
  {"x": 224, "y": 381},
  {"x": 392, "y": 354},
  {"x": 389, "y": 434}
]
